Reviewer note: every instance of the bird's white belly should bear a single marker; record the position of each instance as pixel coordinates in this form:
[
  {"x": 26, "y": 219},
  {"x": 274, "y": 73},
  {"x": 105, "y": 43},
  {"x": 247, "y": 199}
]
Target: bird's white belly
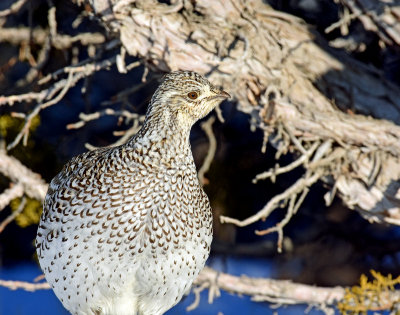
[
  {"x": 156, "y": 284},
  {"x": 145, "y": 275}
]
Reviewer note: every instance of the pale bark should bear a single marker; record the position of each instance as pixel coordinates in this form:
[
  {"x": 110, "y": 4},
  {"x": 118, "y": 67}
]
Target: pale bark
[{"x": 22, "y": 177}]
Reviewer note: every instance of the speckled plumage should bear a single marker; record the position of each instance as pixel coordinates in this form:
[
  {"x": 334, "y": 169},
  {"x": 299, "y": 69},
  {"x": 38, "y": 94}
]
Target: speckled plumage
[{"x": 126, "y": 230}]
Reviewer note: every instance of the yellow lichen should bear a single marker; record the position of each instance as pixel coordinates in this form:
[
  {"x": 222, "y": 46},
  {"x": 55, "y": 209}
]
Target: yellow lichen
[
  {"x": 30, "y": 214},
  {"x": 6, "y": 122},
  {"x": 369, "y": 295},
  {"x": 10, "y": 126}
]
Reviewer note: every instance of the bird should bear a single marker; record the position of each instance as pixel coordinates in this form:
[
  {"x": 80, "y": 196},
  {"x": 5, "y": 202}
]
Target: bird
[{"x": 126, "y": 229}]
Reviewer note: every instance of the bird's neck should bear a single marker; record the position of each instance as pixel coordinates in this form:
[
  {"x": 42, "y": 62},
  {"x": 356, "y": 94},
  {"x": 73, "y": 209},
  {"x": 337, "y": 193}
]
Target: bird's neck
[{"x": 164, "y": 139}]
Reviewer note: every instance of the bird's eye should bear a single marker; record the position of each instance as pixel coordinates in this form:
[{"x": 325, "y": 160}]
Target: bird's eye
[{"x": 193, "y": 95}]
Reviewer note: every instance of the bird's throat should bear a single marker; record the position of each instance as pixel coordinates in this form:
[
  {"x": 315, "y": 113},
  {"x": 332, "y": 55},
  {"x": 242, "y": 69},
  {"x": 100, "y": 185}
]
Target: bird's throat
[{"x": 165, "y": 140}]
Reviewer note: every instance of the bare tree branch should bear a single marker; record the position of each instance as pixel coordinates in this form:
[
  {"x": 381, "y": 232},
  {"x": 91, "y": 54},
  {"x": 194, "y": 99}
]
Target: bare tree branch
[
  {"x": 48, "y": 97},
  {"x": 207, "y": 127},
  {"x": 19, "y": 35},
  {"x": 27, "y": 286},
  {"x": 15, "y": 7},
  {"x": 278, "y": 291},
  {"x": 33, "y": 185},
  {"x": 377, "y": 16},
  {"x": 15, "y": 191},
  {"x": 13, "y": 215}
]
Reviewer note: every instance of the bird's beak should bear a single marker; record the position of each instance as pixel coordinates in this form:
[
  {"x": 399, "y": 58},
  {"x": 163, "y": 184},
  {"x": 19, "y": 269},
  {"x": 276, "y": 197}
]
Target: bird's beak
[
  {"x": 224, "y": 94},
  {"x": 221, "y": 94}
]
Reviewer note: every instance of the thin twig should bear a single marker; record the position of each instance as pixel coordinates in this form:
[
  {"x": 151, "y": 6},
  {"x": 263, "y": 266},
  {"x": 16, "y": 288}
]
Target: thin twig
[
  {"x": 219, "y": 114},
  {"x": 292, "y": 209},
  {"x": 51, "y": 17},
  {"x": 284, "y": 169},
  {"x": 10, "y": 100},
  {"x": 13, "y": 215},
  {"x": 125, "y": 93},
  {"x": 85, "y": 118},
  {"x": 297, "y": 187},
  {"x": 27, "y": 286},
  {"x": 295, "y": 141},
  {"x": 40, "y": 63},
  {"x": 15, "y": 7},
  {"x": 207, "y": 127},
  {"x": 197, "y": 292},
  {"x": 19, "y": 35},
  {"x": 345, "y": 20},
  {"x": 130, "y": 132}
]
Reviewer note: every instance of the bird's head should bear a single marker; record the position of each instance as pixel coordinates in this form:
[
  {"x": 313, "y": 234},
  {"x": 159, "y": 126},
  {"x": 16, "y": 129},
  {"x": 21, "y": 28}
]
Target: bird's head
[{"x": 186, "y": 96}]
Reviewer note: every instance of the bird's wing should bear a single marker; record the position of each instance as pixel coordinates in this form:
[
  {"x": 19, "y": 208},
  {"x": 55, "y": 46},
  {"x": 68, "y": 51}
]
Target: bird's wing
[{"x": 63, "y": 193}]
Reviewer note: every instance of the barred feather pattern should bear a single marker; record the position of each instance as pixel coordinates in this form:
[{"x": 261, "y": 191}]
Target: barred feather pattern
[{"x": 125, "y": 230}]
